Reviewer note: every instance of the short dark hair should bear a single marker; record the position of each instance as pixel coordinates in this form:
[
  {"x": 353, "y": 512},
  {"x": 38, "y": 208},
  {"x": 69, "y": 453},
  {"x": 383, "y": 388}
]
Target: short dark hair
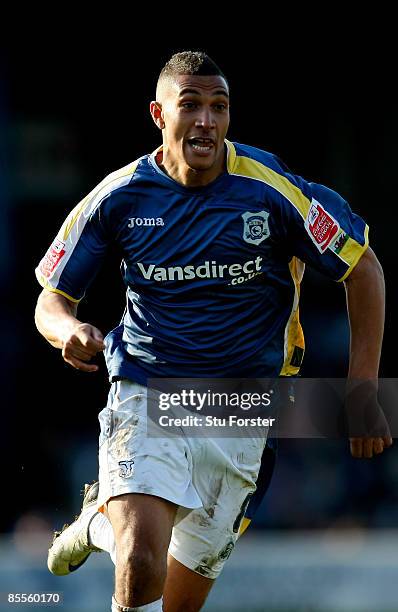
[{"x": 190, "y": 62}]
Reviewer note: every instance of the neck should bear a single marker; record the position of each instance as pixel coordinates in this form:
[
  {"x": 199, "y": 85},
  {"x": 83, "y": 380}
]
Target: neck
[{"x": 189, "y": 177}]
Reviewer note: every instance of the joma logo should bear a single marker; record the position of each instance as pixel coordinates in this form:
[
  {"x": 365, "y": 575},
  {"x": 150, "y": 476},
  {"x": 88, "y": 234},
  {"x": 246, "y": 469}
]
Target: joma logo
[{"x": 145, "y": 221}]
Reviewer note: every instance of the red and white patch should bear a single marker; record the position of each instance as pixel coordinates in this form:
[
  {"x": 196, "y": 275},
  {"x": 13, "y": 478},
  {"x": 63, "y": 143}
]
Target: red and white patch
[
  {"x": 321, "y": 226},
  {"x": 52, "y": 258}
]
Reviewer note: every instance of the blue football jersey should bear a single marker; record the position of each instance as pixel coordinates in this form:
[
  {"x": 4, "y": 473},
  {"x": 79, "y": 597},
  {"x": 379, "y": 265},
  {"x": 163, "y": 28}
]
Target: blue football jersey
[{"x": 212, "y": 273}]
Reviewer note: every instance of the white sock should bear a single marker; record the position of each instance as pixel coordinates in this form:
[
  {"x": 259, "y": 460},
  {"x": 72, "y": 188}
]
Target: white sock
[
  {"x": 155, "y": 606},
  {"x": 100, "y": 534}
]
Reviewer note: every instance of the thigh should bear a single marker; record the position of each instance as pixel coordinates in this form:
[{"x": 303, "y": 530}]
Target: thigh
[{"x": 142, "y": 522}]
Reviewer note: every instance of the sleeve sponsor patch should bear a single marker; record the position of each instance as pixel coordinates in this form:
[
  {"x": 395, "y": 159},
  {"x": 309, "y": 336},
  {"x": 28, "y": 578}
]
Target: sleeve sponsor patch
[
  {"x": 52, "y": 258},
  {"x": 321, "y": 226}
]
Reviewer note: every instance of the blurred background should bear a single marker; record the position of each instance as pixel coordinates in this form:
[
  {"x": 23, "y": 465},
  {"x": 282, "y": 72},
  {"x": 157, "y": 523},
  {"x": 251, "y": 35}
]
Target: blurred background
[{"x": 71, "y": 112}]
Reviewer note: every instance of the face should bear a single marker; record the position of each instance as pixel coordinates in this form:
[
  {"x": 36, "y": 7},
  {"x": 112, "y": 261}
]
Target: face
[{"x": 193, "y": 113}]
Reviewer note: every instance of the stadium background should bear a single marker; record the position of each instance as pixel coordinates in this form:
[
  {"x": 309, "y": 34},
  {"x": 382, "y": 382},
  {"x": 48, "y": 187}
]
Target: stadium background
[{"x": 324, "y": 538}]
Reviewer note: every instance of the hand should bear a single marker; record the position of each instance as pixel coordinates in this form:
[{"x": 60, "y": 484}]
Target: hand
[
  {"x": 81, "y": 345},
  {"x": 367, "y": 425},
  {"x": 365, "y": 448}
]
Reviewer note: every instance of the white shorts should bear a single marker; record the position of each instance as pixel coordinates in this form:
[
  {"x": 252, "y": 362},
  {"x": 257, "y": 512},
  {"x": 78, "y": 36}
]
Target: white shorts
[{"x": 211, "y": 479}]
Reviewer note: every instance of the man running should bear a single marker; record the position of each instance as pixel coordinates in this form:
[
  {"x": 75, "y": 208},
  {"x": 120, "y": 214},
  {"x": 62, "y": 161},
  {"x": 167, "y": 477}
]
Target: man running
[{"x": 214, "y": 236}]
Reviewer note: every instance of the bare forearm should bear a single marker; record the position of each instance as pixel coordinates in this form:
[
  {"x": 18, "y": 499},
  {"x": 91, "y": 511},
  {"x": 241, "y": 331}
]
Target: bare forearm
[
  {"x": 366, "y": 304},
  {"x": 56, "y": 320},
  {"x": 55, "y": 317}
]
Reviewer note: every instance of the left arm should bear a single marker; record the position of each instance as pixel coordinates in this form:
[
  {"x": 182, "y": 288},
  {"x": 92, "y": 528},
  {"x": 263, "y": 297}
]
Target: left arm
[{"x": 365, "y": 292}]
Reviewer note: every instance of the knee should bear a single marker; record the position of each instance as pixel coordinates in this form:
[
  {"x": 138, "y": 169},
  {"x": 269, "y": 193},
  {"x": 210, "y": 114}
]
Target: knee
[{"x": 142, "y": 565}]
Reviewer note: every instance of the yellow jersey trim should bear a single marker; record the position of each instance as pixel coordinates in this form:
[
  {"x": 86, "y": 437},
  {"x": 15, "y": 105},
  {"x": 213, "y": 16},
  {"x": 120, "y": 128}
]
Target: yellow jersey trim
[
  {"x": 294, "y": 335},
  {"x": 47, "y": 286},
  {"x": 250, "y": 168},
  {"x": 78, "y": 209},
  {"x": 352, "y": 252},
  {"x": 231, "y": 156}
]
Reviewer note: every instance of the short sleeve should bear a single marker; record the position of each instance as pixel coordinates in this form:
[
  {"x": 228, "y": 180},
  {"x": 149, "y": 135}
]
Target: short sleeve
[
  {"x": 77, "y": 252},
  {"x": 324, "y": 232}
]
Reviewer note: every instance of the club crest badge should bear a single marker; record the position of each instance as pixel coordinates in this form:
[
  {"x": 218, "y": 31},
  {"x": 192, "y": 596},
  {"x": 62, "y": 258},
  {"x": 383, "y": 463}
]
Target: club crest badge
[{"x": 255, "y": 226}]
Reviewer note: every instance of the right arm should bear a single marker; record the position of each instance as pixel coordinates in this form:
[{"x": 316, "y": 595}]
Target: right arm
[
  {"x": 66, "y": 271},
  {"x": 56, "y": 320}
]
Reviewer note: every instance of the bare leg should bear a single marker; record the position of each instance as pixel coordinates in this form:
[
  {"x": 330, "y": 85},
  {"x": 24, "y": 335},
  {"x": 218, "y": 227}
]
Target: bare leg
[
  {"x": 142, "y": 526},
  {"x": 184, "y": 590}
]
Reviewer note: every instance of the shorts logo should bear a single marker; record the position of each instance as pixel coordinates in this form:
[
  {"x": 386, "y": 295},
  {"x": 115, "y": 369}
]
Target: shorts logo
[
  {"x": 52, "y": 258},
  {"x": 255, "y": 226},
  {"x": 126, "y": 468},
  {"x": 321, "y": 226}
]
